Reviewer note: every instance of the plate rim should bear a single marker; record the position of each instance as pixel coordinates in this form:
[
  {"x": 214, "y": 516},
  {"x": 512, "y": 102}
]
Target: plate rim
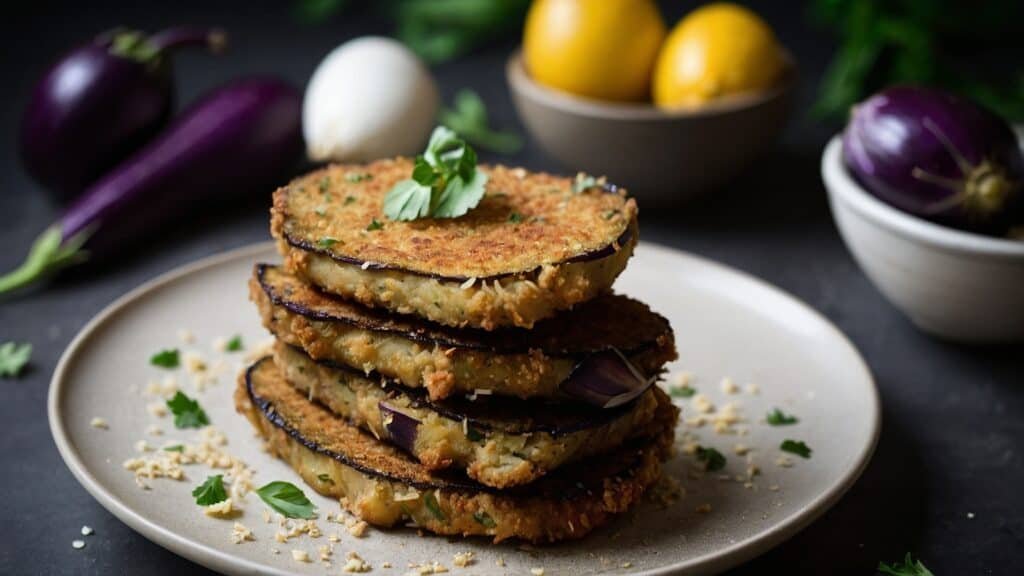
[{"x": 199, "y": 552}]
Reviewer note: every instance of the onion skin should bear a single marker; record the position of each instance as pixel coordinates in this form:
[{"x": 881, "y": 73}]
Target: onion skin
[
  {"x": 241, "y": 138},
  {"x": 937, "y": 156},
  {"x": 99, "y": 103}
]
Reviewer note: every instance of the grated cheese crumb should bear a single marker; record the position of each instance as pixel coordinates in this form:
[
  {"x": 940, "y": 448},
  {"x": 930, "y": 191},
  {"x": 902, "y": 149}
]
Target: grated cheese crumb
[
  {"x": 784, "y": 462},
  {"x": 627, "y": 564},
  {"x": 728, "y": 386},
  {"x": 702, "y": 404},
  {"x": 155, "y": 430},
  {"x": 385, "y": 565},
  {"x": 220, "y": 344},
  {"x": 500, "y": 561},
  {"x": 99, "y": 423},
  {"x": 753, "y": 389},
  {"x": 78, "y": 544},
  {"x": 239, "y": 533},
  {"x": 221, "y": 509},
  {"x": 741, "y": 449},
  {"x": 300, "y": 556},
  {"x": 356, "y": 528},
  {"x": 462, "y": 559},
  {"x": 468, "y": 284},
  {"x": 157, "y": 409},
  {"x": 87, "y": 531},
  {"x": 353, "y": 563},
  {"x": 143, "y": 446},
  {"x": 537, "y": 571},
  {"x": 186, "y": 336}
]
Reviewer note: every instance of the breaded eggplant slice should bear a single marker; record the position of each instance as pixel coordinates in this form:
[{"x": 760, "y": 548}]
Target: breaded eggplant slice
[
  {"x": 384, "y": 486},
  {"x": 498, "y": 441},
  {"x": 532, "y": 247},
  {"x": 445, "y": 361}
]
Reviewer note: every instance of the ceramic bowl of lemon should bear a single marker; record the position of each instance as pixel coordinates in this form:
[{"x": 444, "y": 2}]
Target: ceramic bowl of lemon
[{"x": 605, "y": 88}]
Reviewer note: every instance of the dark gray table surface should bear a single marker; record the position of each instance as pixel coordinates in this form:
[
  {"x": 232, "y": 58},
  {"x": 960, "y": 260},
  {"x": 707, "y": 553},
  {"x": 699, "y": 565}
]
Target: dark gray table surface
[{"x": 953, "y": 425}]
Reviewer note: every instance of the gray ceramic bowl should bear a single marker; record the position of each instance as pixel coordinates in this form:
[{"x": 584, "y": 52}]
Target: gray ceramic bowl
[{"x": 657, "y": 154}]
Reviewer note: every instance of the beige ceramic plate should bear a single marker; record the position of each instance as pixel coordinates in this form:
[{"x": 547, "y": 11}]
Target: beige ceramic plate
[{"x": 727, "y": 324}]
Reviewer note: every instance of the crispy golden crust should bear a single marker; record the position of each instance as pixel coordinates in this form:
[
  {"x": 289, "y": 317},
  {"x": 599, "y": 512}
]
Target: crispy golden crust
[
  {"x": 512, "y": 362},
  {"x": 554, "y": 224},
  {"x": 384, "y": 487}
]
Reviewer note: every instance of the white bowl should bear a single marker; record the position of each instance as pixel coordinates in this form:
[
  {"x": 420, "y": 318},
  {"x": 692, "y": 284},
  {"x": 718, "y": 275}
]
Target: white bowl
[{"x": 953, "y": 284}]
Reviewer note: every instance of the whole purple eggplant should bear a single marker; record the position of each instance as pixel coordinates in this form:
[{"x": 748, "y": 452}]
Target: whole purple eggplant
[
  {"x": 937, "y": 156},
  {"x": 241, "y": 138},
  {"x": 101, "y": 102}
]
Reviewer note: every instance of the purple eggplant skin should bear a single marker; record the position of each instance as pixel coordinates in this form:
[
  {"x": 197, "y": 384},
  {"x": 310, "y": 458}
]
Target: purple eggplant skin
[
  {"x": 241, "y": 138},
  {"x": 99, "y": 103},
  {"x": 937, "y": 156}
]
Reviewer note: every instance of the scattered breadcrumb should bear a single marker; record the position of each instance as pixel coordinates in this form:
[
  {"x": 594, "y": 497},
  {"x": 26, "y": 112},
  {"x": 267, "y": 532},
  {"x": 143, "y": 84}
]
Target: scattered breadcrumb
[
  {"x": 221, "y": 509},
  {"x": 426, "y": 568},
  {"x": 100, "y": 423},
  {"x": 702, "y": 404},
  {"x": 753, "y": 389},
  {"x": 784, "y": 462},
  {"x": 78, "y": 544},
  {"x": 239, "y": 533},
  {"x": 537, "y": 571},
  {"x": 324, "y": 552},
  {"x": 627, "y": 564},
  {"x": 462, "y": 559},
  {"x": 300, "y": 555},
  {"x": 220, "y": 344},
  {"x": 87, "y": 531},
  {"x": 164, "y": 388},
  {"x": 728, "y": 386},
  {"x": 186, "y": 336},
  {"x": 385, "y": 564},
  {"x": 157, "y": 409},
  {"x": 143, "y": 446},
  {"x": 741, "y": 449},
  {"x": 334, "y": 538},
  {"x": 703, "y": 508},
  {"x": 774, "y": 487},
  {"x": 154, "y": 430},
  {"x": 356, "y": 528},
  {"x": 353, "y": 563},
  {"x": 500, "y": 561}
]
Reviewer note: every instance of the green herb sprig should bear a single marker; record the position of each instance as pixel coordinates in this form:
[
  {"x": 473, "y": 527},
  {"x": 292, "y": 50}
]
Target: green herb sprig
[
  {"x": 13, "y": 358},
  {"x": 779, "y": 418},
  {"x": 166, "y": 358},
  {"x": 468, "y": 117},
  {"x": 187, "y": 412},
  {"x": 713, "y": 459},
  {"x": 445, "y": 181},
  {"x": 235, "y": 344},
  {"x": 210, "y": 492},
  {"x": 286, "y": 499},
  {"x": 909, "y": 567},
  {"x": 797, "y": 447}
]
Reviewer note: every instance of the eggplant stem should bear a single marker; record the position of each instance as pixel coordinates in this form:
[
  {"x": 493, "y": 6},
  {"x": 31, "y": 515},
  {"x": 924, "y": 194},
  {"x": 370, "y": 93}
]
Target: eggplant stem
[
  {"x": 965, "y": 166},
  {"x": 214, "y": 39},
  {"x": 925, "y": 176},
  {"x": 49, "y": 253}
]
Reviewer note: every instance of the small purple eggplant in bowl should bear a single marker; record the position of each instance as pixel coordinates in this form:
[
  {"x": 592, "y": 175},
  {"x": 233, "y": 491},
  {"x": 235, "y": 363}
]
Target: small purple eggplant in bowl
[
  {"x": 937, "y": 156},
  {"x": 100, "y": 103}
]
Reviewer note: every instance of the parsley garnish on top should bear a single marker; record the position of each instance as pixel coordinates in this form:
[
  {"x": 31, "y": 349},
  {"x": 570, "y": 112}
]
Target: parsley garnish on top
[
  {"x": 187, "y": 412},
  {"x": 779, "y": 418},
  {"x": 165, "y": 358},
  {"x": 909, "y": 567},
  {"x": 515, "y": 217},
  {"x": 374, "y": 225},
  {"x": 713, "y": 459},
  {"x": 445, "y": 181},
  {"x": 210, "y": 492},
  {"x": 286, "y": 499},
  {"x": 14, "y": 357},
  {"x": 796, "y": 447},
  {"x": 355, "y": 177}
]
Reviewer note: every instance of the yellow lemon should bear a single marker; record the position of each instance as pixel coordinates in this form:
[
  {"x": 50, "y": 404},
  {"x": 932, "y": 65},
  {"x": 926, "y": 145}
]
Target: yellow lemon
[
  {"x": 716, "y": 50},
  {"x": 603, "y": 49}
]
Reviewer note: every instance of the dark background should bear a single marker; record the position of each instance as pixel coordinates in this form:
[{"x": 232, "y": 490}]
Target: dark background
[{"x": 952, "y": 429}]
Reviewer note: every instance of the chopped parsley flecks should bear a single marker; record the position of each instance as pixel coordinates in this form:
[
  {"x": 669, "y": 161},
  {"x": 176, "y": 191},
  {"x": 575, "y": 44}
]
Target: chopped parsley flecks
[
  {"x": 779, "y": 418},
  {"x": 327, "y": 242},
  {"x": 796, "y": 447},
  {"x": 374, "y": 225},
  {"x": 235, "y": 344},
  {"x": 355, "y": 177},
  {"x": 166, "y": 358},
  {"x": 349, "y": 200},
  {"x": 515, "y": 217},
  {"x": 684, "y": 391},
  {"x": 14, "y": 357},
  {"x": 712, "y": 459}
]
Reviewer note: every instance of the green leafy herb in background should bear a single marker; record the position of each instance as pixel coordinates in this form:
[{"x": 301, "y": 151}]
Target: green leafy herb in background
[
  {"x": 712, "y": 459},
  {"x": 286, "y": 499},
  {"x": 210, "y": 492},
  {"x": 445, "y": 182},
  {"x": 13, "y": 358},
  {"x": 165, "y": 358},
  {"x": 948, "y": 44},
  {"x": 797, "y": 447},
  {"x": 468, "y": 117},
  {"x": 909, "y": 567},
  {"x": 187, "y": 412}
]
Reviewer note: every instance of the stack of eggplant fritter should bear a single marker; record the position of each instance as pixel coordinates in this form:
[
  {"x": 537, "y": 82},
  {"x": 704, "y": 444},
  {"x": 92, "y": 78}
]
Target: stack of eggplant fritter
[{"x": 475, "y": 375}]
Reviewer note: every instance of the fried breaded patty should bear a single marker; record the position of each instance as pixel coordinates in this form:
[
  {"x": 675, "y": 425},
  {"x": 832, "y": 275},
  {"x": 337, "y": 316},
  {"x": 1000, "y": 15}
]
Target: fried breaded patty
[
  {"x": 532, "y": 247},
  {"x": 445, "y": 361},
  {"x": 499, "y": 442},
  {"x": 385, "y": 487}
]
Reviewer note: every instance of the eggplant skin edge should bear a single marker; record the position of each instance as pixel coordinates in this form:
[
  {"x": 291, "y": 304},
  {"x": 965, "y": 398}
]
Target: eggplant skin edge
[{"x": 561, "y": 511}]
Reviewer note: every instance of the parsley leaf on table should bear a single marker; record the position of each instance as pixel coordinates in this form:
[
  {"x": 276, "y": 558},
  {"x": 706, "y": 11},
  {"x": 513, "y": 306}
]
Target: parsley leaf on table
[
  {"x": 779, "y": 418},
  {"x": 713, "y": 459},
  {"x": 445, "y": 182},
  {"x": 210, "y": 492},
  {"x": 908, "y": 568},
  {"x": 187, "y": 412},
  {"x": 165, "y": 358},
  {"x": 286, "y": 499},
  {"x": 235, "y": 344},
  {"x": 796, "y": 447},
  {"x": 468, "y": 118},
  {"x": 14, "y": 357}
]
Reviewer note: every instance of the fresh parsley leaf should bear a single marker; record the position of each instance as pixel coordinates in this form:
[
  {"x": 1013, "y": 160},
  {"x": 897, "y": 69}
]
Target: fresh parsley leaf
[
  {"x": 349, "y": 200},
  {"x": 713, "y": 459},
  {"x": 484, "y": 519},
  {"x": 796, "y": 447},
  {"x": 235, "y": 344},
  {"x": 175, "y": 448},
  {"x": 468, "y": 118},
  {"x": 444, "y": 183},
  {"x": 374, "y": 225},
  {"x": 435, "y": 509},
  {"x": 685, "y": 391},
  {"x": 327, "y": 242},
  {"x": 165, "y": 358},
  {"x": 286, "y": 499},
  {"x": 909, "y": 567},
  {"x": 355, "y": 177},
  {"x": 14, "y": 357},
  {"x": 515, "y": 217},
  {"x": 211, "y": 491},
  {"x": 325, "y": 184},
  {"x": 779, "y": 418},
  {"x": 187, "y": 412},
  {"x": 325, "y": 478}
]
